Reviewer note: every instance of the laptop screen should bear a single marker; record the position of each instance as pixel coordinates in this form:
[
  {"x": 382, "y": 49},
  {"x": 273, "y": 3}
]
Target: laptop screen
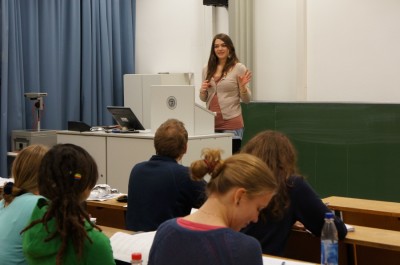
[{"x": 125, "y": 118}]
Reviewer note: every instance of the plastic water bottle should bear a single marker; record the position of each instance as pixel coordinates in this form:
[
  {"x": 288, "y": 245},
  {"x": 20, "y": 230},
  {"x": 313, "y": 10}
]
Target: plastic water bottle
[
  {"x": 329, "y": 242},
  {"x": 136, "y": 258}
]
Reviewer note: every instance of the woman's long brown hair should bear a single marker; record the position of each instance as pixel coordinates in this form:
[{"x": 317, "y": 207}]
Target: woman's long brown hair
[
  {"x": 276, "y": 150},
  {"x": 213, "y": 59}
]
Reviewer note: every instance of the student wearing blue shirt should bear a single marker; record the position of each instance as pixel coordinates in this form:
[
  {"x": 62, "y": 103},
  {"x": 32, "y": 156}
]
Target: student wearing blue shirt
[
  {"x": 161, "y": 188},
  {"x": 19, "y": 199},
  {"x": 239, "y": 188}
]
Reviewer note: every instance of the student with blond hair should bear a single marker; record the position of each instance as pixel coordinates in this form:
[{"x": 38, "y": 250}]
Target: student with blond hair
[
  {"x": 19, "y": 199},
  {"x": 239, "y": 188}
]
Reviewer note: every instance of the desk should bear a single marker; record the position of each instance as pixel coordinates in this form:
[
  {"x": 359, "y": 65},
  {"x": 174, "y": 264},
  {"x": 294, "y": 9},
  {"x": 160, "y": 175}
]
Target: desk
[
  {"x": 109, "y": 204},
  {"x": 116, "y": 153},
  {"x": 110, "y": 231},
  {"x": 374, "y": 246},
  {"x": 109, "y": 213},
  {"x": 371, "y": 213},
  {"x": 374, "y": 237},
  {"x": 364, "y": 246}
]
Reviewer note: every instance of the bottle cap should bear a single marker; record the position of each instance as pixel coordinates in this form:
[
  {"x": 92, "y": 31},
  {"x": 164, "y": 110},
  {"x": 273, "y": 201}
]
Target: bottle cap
[
  {"x": 329, "y": 215},
  {"x": 136, "y": 256}
]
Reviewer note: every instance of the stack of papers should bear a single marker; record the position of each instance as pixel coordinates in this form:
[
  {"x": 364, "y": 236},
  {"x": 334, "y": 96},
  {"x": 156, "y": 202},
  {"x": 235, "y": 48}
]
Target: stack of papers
[
  {"x": 3, "y": 181},
  {"x": 123, "y": 245},
  {"x": 103, "y": 198}
]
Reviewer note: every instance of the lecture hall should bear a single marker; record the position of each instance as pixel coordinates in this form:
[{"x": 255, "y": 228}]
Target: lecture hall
[{"x": 105, "y": 75}]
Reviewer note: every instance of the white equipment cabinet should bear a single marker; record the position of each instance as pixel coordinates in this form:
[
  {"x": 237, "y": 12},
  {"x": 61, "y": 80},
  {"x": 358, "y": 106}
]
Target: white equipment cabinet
[
  {"x": 94, "y": 144},
  {"x": 137, "y": 93},
  {"x": 116, "y": 154}
]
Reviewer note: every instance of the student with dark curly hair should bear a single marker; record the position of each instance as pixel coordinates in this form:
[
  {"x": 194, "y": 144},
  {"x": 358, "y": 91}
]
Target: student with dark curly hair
[
  {"x": 60, "y": 231},
  {"x": 295, "y": 199},
  {"x": 239, "y": 188}
]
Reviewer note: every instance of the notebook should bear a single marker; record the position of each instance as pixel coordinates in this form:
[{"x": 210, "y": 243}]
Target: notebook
[{"x": 125, "y": 118}]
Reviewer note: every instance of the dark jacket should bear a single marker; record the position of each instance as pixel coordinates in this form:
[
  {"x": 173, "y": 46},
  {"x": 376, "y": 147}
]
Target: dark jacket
[
  {"x": 160, "y": 189},
  {"x": 305, "y": 207}
]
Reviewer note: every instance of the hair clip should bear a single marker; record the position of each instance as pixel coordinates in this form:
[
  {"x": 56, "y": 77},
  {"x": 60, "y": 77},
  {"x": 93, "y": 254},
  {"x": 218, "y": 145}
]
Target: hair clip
[
  {"x": 210, "y": 165},
  {"x": 8, "y": 188},
  {"x": 77, "y": 176}
]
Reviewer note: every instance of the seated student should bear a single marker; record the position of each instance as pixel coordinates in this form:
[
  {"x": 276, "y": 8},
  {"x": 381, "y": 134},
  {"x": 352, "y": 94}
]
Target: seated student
[
  {"x": 161, "y": 189},
  {"x": 19, "y": 199},
  {"x": 240, "y": 187},
  {"x": 60, "y": 231},
  {"x": 295, "y": 199}
]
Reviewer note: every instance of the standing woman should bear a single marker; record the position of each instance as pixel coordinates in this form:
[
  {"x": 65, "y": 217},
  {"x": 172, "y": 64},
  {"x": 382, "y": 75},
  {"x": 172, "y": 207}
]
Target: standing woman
[
  {"x": 19, "y": 199},
  {"x": 60, "y": 231},
  {"x": 225, "y": 84}
]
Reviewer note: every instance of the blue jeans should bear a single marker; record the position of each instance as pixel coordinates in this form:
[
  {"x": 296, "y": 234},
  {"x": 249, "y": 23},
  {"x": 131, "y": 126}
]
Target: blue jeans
[{"x": 237, "y": 134}]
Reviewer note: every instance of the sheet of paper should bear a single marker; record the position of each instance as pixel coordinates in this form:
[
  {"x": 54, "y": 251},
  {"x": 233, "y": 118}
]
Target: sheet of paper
[
  {"x": 103, "y": 198},
  {"x": 350, "y": 228},
  {"x": 279, "y": 261},
  {"x": 124, "y": 245},
  {"x": 3, "y": 181}
]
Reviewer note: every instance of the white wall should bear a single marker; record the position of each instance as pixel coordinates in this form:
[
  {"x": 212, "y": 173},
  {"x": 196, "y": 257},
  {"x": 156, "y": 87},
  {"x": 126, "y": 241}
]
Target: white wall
[
  {"x": 175, "y": 36},
  {"x": 279, "y": 49},
  {"x": 305, "y": 50},
  {"x": 330, "y": 50},
  {"x": 353, "y": 50}
]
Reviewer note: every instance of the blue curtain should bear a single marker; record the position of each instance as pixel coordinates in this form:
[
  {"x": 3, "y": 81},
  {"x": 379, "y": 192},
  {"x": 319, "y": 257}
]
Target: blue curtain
[{"x": 75, "y": 50}]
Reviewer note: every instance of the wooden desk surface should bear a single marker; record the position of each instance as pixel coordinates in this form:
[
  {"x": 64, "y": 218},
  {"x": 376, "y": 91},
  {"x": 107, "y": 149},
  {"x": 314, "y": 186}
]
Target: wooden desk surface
[
  {"x": 110, "y": 204},
  {"x": 110, "y": 231},
  {"x": 363, "y": 206},
  {"x": 374, "y": 237},
  {"x": 364, "y": 246}
]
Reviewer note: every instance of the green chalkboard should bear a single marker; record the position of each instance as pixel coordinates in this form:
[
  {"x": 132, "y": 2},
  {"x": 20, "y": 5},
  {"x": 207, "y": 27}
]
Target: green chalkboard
[{"x": 343, "y": 149}]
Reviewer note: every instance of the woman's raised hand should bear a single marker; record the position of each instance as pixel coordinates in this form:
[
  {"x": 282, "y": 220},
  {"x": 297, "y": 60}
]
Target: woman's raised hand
[{"x": 244, "y": 79}]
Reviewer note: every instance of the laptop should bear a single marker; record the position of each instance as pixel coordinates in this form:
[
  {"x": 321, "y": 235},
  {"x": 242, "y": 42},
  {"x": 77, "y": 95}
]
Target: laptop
[{"x": 125, "y": 118}]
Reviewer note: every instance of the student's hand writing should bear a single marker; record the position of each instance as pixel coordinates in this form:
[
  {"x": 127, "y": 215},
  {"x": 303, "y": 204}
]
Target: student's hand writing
[{"x": 244, "y": 79}]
